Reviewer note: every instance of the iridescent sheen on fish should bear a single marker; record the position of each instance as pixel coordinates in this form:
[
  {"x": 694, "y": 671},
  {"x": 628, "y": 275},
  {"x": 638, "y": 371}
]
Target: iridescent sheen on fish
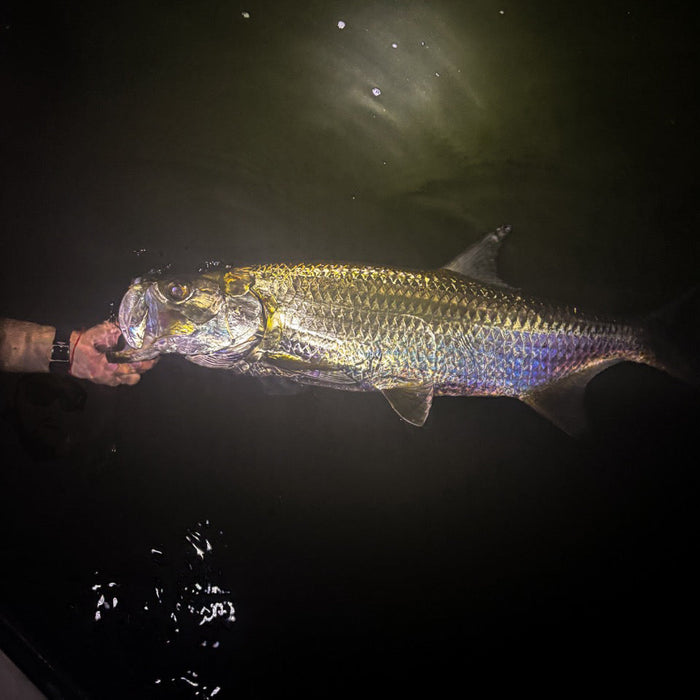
[
  {"x": 411, "y": 334},
  {"x": 383, "y": 325}
]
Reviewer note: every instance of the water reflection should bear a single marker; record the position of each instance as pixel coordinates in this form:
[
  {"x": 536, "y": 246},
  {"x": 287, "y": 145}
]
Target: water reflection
[
  {"x": 393, "y": 87},
  {"x": 189, "y": 611}
]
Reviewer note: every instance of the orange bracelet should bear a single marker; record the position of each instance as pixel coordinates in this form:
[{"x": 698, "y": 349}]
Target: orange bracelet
[{"x": 72, "y": 352}]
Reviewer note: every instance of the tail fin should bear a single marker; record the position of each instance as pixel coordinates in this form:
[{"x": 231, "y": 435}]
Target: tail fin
[{"x": 673, "y": 335}]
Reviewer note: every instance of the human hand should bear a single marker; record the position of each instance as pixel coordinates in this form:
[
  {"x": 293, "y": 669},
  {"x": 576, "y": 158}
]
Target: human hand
[{"x": 88, "y": 361}]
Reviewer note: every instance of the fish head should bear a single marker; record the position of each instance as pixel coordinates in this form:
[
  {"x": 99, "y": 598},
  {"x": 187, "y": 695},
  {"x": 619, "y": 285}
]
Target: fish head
[{"x": 189, "y": 315}]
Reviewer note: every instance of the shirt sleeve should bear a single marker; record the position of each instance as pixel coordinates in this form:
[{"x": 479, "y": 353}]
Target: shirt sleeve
[{"x": 24, "y": 346}]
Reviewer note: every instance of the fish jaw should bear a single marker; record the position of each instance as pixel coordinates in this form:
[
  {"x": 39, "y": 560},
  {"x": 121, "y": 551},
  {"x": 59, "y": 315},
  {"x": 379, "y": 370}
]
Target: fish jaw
[
  {"x": 138, "y": 321},
  {"x": 132, "y": 355},
  {"x": 134, "y": 314},
  {"x": 133, "y": 318}
]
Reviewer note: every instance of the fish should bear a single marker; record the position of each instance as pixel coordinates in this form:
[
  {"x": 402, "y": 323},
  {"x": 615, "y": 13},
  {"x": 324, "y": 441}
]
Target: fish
[{"x": 410, "y": 334}]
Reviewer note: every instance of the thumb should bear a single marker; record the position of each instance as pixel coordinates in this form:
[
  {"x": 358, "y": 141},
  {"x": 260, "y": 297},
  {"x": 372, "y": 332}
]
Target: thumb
[{"x": 111, "y": 333}]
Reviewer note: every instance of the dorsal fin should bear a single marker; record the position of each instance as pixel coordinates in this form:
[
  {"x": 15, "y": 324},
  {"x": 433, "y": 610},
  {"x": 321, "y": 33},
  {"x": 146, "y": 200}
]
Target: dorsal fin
[
  {"x": 411, "y": 401},
  {"x": 479, "y": 260},
  {"x": 562, "y": 401}
]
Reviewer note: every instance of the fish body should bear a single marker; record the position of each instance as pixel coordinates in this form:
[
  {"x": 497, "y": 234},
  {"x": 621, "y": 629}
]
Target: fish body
[{"x": 410, "y": 334}]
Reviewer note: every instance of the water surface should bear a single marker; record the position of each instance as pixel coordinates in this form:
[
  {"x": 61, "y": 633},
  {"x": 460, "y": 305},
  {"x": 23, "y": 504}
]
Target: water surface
[{"x": 361, "y": 554}]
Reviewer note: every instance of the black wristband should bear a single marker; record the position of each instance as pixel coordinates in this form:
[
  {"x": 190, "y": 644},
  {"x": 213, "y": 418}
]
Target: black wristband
[{"x": 60, "y": 352}]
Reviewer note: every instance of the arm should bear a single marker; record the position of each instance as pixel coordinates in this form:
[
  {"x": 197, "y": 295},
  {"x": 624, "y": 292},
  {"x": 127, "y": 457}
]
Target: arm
[{"x": 26, "y": 347}]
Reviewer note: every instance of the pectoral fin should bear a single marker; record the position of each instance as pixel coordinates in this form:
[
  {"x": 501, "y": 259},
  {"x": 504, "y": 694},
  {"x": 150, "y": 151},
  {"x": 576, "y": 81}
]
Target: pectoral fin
[
  {"x": 296, "y": 364},
  {"x": 312, "y": 372},
  {"x": 280, "y": 386},
  {"x": 411, "y": 401},
  {"x": 562, "y": 401}
]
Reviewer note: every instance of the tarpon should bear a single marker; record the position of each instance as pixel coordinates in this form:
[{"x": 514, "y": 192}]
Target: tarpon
[{"x": 409, "y": 334}]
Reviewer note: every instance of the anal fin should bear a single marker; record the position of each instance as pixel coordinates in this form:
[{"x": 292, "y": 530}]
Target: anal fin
[
  {"x": 562, "y": 401},
  {"x": 411, "y": 401}
]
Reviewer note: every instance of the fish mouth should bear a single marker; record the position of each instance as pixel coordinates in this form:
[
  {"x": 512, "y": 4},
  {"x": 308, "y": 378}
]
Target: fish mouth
[
  {"x": 134, "y": 324},
  {"x": 133, "y": 315}
]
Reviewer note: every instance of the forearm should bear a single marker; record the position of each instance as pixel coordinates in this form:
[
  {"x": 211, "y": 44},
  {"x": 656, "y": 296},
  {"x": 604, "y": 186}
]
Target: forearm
[
  {"x": 27, "y": 347},
  {"x": 24, "y": 346}
]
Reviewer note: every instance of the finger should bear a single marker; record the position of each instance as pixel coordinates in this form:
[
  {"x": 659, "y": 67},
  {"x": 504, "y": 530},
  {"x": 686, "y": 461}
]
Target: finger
[
  {"x": 143, "y": 366},
  {"x": 126, "y": 368},
  {"x": 130, "y": 379},
  {"x": 104, "y": 334},
  {"x": 111, "y": 333}
]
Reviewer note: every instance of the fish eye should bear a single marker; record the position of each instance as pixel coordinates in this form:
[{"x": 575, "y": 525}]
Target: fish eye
[{"x": 177, "y": 291}]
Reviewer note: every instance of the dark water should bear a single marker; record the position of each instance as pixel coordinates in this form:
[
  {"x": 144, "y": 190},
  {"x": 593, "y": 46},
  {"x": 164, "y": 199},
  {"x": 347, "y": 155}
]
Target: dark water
[{"x": 360, "y": 554}]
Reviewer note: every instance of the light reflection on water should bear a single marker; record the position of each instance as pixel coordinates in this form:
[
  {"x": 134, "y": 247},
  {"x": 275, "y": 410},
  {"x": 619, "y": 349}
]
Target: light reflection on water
[{"x": 188, "y": 609}]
